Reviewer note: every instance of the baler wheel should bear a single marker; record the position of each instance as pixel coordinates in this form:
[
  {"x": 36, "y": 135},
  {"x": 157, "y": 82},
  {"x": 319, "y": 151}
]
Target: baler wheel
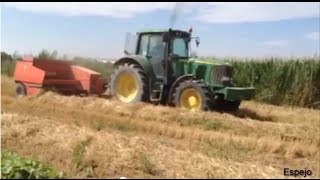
[{"x": 20, "y": 90}]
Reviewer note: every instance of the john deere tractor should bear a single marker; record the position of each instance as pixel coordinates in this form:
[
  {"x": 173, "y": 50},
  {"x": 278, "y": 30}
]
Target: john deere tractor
[{"x": 157, "y": 68}]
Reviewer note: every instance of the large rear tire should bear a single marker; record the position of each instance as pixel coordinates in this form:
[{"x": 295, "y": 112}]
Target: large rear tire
[
  {"x": 193, "y": 95},
  {"x": 129, "y": 84}
]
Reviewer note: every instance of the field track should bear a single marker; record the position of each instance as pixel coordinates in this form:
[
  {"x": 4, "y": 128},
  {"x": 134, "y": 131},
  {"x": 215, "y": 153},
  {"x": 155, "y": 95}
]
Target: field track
[{"x": 102, "y": 138}]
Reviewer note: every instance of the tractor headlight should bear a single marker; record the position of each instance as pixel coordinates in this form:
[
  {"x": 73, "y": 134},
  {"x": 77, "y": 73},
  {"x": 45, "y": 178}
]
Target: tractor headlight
[{"x": 225, "y": 78}]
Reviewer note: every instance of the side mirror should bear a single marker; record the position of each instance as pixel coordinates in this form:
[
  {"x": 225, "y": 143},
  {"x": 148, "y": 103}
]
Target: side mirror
[{"x": 197, "y": 41}]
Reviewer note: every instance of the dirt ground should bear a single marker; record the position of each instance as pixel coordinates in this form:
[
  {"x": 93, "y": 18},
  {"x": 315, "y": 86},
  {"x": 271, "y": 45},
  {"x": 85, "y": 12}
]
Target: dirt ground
[{"x": 102, "y": 138}]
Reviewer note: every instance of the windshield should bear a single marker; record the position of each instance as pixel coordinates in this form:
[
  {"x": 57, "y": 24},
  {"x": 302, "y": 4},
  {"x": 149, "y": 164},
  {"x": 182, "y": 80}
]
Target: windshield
[{"x": 180, "y": 47}]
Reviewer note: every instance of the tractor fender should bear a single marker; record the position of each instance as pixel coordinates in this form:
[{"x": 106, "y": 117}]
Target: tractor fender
[
  {"x": 176, "y": 83},
  {"x": 140, "y": 60}
]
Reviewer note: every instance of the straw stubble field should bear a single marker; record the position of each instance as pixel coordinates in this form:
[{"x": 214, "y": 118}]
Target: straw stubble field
[{"x": 98, "y": 137}]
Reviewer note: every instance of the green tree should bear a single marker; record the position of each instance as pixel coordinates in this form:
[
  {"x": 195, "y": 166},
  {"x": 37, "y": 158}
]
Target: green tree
[
  {"x": 6, "y": 57},
  {"x": 54, "y": 54},
  {"x": 44, "y": 54}
]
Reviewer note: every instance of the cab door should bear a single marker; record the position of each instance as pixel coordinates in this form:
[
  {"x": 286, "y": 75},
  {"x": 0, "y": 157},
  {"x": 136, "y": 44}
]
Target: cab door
[{"x": 152, "y": 47}]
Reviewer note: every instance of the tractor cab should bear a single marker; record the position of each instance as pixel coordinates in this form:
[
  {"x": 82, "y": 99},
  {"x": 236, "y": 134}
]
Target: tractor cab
[
  {"x": 163, "y": 48},
  {"x": 151, "y": 43}
]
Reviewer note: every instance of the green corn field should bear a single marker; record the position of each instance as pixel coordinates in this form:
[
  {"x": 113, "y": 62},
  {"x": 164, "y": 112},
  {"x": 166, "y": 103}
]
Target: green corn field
[{"x": 281, "y": 82}]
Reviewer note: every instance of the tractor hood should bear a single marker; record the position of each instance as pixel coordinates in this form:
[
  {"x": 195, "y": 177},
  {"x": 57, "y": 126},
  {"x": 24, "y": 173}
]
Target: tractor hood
[
  {"x": 208, "y": 62},
  {"x": 215, "y": 72}
]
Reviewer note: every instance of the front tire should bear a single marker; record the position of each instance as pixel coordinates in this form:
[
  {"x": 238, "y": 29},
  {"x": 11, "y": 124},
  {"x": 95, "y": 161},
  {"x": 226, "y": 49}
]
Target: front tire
[
  {"x": 129, "y": 84},
  {"x": 193, "y": 95}
]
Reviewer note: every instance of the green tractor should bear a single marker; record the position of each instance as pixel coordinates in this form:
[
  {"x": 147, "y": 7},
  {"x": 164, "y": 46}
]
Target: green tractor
[{"x": 158, "y": 68}]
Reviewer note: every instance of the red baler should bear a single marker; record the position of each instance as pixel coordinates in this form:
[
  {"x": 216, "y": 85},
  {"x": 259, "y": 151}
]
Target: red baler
[{"x": 33, "y": 74}]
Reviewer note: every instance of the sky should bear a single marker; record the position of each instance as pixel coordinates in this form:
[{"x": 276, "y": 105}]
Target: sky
[{"x": 98, "y": 29}]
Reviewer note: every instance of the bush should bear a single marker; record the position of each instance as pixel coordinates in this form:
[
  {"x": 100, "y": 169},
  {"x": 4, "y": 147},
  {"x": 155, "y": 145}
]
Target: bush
[
  {"x": 105, "y": 69},
  {"x": 15, "y": 167},
  {"x": 7, "y": 67}
]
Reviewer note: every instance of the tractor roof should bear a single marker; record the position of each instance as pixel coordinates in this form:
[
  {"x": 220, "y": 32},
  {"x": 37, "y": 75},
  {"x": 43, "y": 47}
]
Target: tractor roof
[{"x": 159, "y": 31}]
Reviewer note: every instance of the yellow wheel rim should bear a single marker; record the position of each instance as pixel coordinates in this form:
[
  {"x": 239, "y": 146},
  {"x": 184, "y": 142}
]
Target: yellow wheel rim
[
  {"x": 126, "y": 87},
  {"x": 190, "y": 99}
]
